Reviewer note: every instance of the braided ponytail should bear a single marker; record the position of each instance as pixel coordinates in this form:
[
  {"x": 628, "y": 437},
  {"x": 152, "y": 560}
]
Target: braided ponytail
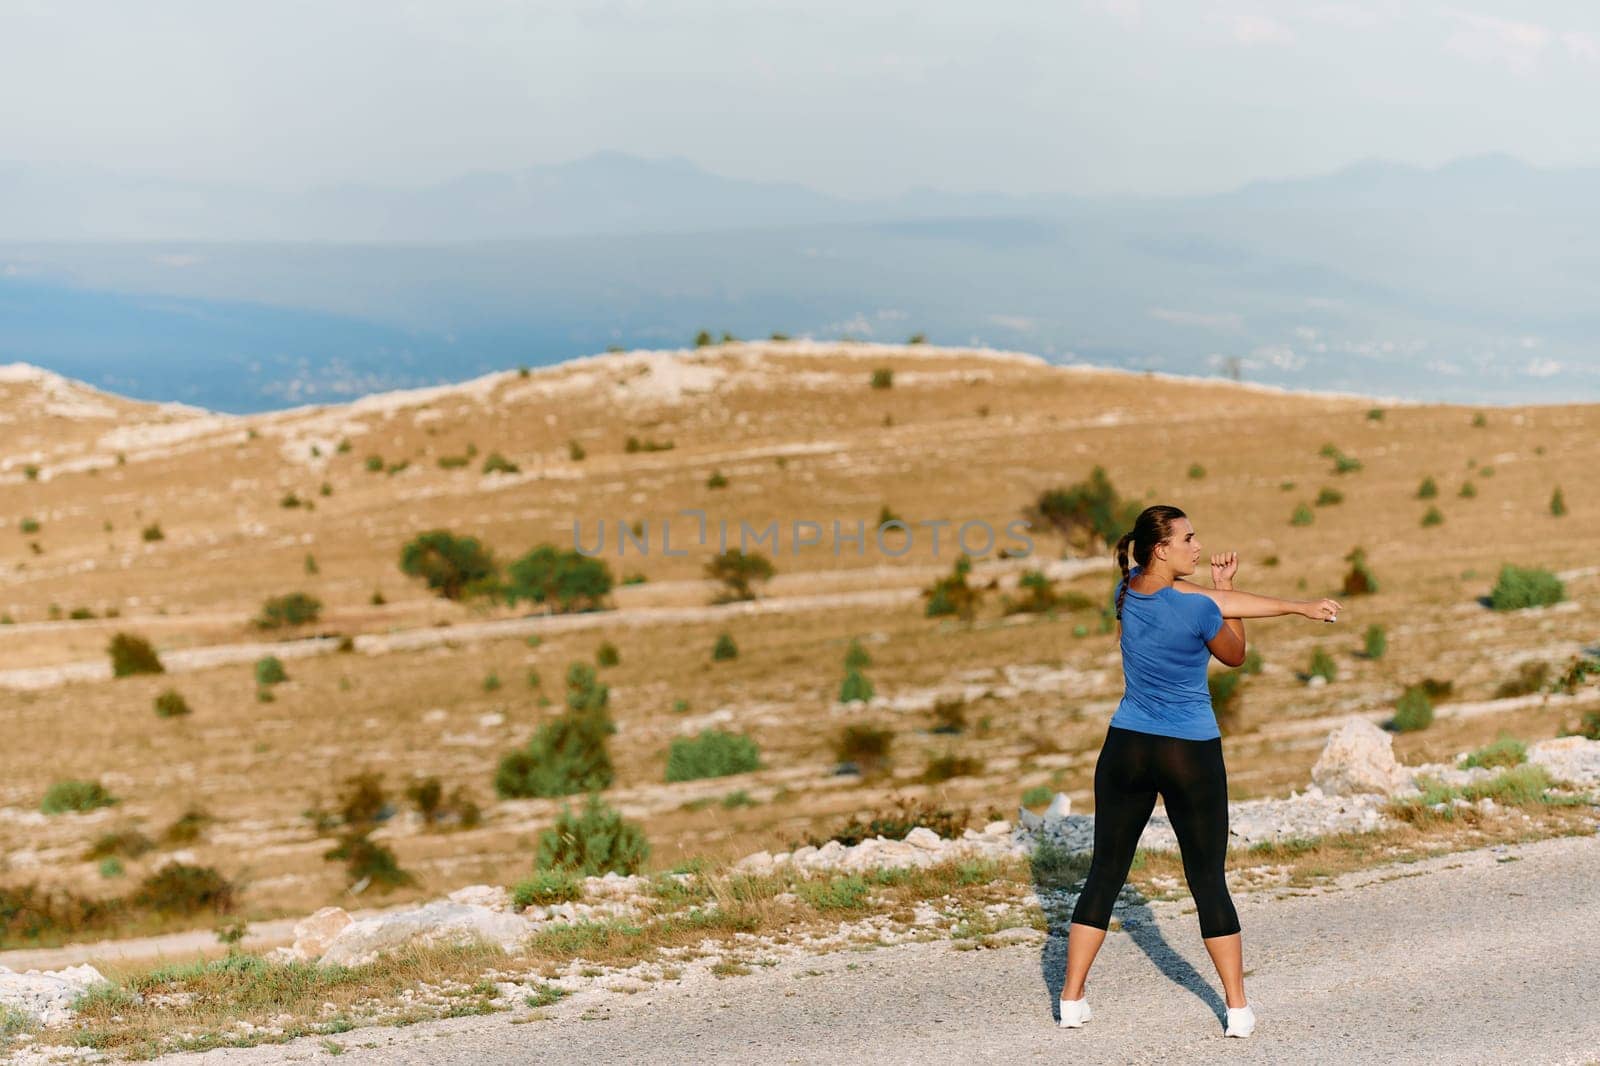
[
  {"x": 1123, "y": 545},
  {"x": 1153, "y": 526}
]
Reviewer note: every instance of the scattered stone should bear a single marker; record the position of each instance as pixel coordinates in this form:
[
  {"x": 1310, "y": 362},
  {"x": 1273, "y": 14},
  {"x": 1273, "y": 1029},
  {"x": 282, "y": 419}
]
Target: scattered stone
[
  {"x": 313, "y": 935},
  {"x": 1574, "y": 759},
  {"x": 363, "y": 941}
]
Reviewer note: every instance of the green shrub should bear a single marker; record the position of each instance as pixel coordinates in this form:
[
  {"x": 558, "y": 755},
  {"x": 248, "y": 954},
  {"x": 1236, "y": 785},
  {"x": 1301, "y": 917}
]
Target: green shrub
[
  {"x": 607, "y": 654},
  {"x": 711, "y": 754},
  {"x": 855, "y": 686},
  {"x": 368, "y": 861},
  {"x": 1377, "y": 642},
  {"x": 1327, "y": 497},
  {"x": 1038, "y": 796},
  {"x": 952, "y": 595},
  {"x": 568, "y": 580},
  {"x": 453, "y": 462},
  {"x": 75, "y": 796},
  {"x": 1590, "y": 726},
  {"x": 1467, "y": 491},
  {"x": 295, "y": 609},
  {"x": 1196, "y": 471},
  {"x": 724, "y": 648},
  {"x": 736, "y": 569},
  {"x": 123, "y": 843},
  {"x": 1432, "y": 517},
  {"x": 1577, "y": 672},
  {"x": 717, "y": 480},
  {"x": 1428, "y": 489},
  {"x": 111, "y": 867},
  {"x": 1224, "y": 688},
  {"x": 1505, "y": 751},
  {"x": 1322, "y": 665},
  {"x": 131, "y": 655},
  {"x": 1360, "y": 580},
  {"x": 1414, "y": 710},
  {"x": 1531, "y": 677},
  {"x": 856, "y": 656},
  {"x": 452, "y": 566},
  {"x": 152, "y": 532},
  {"x": 882, "y": 377},
  {"x": 374, "y": 464},
  {"x": 950, "y": 716},
  {"x": 594, "y": 842},
  {"x": 546, "y": 886},
  {"x": 1302, "y": 516},
  {"x": 269, "y": 671},
  {"x": 1252, "y": 662},
  {"x": 838, "y": 892},
  {"x": 171, "y": 704},
  {"x": 567, "y": 754},
  {"x": 947, "y": 765},
  {"x": 1558, "y": 503},
  {"x": 28, "y": 525},
  {"x": 865, "y": 746},
  {"x": 427, "y": 796},
  {"x": 311, "y": 564},
  {"x": 575, "y": 451},
  {"x": 186, "y": 829},
  {"x": 906, "y": 815},
  {"x": 1375, "y": 414},
  {"x": 499, "y": 464},
  {"x": 1519, "y": 587},
  {"x": 1479, "y": 421},
  {"x": 1090, "y": 513},
  {"x": 178, "y": 888}
]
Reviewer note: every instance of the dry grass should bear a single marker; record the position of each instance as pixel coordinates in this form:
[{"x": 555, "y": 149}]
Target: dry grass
[{"x": 1037, "y": 696}]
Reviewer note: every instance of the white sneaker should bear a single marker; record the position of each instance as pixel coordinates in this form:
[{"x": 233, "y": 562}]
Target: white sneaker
[
  {"x": 1241, "y": 1021},
  {"x": 1074, "y": 1012}
]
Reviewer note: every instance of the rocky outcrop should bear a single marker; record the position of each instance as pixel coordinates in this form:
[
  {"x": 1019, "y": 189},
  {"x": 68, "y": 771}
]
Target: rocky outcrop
[
  {"x": 46, "y": 996},
  {"x": 921, "y": 847},
  {"x": 1359, "y": 758},
  {"x": 1573, "y": 759},
  {"x": 443, "y": 922}
]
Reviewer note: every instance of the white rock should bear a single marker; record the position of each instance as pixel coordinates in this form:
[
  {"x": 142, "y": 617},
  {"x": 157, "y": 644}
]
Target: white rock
[
  {"x": 313, "y": 934},
  {"x": 1575, "y": 759},
  {"x": 1059, "y": 807},
  {"x": 1316, "y": 681},
  {"x": 925, "y": 838},
  {"x": 435, "y": 923},
  {"x": 46, "y": 996},
  {"x": 1002, "y": 827},
  {"x": 495, "y": 897},
  {"x": 761, "y": 862},
  {"x": 1358, "y": 758}
]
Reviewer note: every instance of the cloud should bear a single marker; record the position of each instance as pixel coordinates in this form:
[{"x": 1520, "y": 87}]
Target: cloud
[
  {"x": 1518, "y": 46},
  {"x": 1581, "y": 46},
  {"x": 1441, "y": 366},
  {"x": 1542, "y": 368},
  {"x": 1127, "y": 11},
  {"x": 1278, "y": 355},
  {"x": 1019, "y": 323},
  {"x": 1348, "y": 16},
  {"x": 1255, "y": 29},
  {"x": 1211, "y": 320}
]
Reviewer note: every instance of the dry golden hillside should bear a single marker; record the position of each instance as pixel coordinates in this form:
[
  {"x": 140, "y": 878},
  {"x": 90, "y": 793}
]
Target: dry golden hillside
[{"x": 800, "y": 435}]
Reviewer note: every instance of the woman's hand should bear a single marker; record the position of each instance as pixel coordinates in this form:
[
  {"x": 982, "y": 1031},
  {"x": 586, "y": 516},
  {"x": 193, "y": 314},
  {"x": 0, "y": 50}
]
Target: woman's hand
[
  {"x": 1223, "y": 566},
  {"x": 1322, "y": 610}
]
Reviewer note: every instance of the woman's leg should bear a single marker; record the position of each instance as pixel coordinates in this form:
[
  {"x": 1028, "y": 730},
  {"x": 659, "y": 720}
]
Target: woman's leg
[
  {"x": 1124, "y": 796},
  {"x": 1194, "y": 788}
]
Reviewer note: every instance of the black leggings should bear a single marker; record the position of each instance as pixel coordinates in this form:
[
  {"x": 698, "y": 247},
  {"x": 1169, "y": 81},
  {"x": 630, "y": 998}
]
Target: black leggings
[{"x": 1193, "y": 784}]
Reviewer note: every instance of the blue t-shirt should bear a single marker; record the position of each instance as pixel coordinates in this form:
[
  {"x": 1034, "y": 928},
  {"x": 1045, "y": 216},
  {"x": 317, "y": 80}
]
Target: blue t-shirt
[{"x": 1164, "y": 657}]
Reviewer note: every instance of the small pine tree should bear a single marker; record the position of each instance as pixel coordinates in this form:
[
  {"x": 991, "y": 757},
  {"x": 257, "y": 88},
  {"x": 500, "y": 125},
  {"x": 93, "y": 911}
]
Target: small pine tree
[
  {"x": 1558, "y": 503},
  {"x": 270, "y": 671},
  {"x": 1433, "y": 517},
  {"x": 855, "y": 687},
  {"x": 856, "y": 657},
  {"x": 1302, "y": 516},
  {"x": 607, "y": 654},
  {"x": 1377, "y": 642},
  {"x": 1428, "y": 489},
  {"x": 724, "y": 648},
  {"x": 594, "y": 842}
]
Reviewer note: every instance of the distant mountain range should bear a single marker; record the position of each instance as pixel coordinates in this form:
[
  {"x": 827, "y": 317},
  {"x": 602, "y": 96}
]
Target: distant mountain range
[{"x": 1474, "y": 281}]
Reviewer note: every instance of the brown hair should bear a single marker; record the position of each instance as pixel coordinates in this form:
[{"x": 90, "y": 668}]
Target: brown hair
[{"x": 1153, "y": 526}]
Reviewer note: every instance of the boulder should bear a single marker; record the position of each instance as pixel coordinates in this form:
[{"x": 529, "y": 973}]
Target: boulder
[
  {"x": 46, "y": 996},
  {"x": 1575, "y": 759},
  {"x": 313, "y": 935},
  {"x": 1359, "y": 758},
  {"x": 435, "y": 923},
  {"x": 1059, "y": 807},
  {"x": 924, "y": 838},
  {"x": 495, "y": 897}
]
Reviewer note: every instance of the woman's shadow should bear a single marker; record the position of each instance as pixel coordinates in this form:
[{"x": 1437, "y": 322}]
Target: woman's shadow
[{"x": 1058, "y": 876}]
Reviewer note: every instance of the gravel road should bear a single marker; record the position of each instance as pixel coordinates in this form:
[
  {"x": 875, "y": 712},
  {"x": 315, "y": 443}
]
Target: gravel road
[{"x": 1489, "y": 956}]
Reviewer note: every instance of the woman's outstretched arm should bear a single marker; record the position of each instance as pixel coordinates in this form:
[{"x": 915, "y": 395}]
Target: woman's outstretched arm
[{"x": 1236, "y": 603}]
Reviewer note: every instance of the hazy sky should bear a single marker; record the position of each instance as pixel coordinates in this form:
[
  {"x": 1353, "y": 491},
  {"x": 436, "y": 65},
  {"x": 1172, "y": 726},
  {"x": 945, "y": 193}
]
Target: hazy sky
[{"x": 852, "y": 96}]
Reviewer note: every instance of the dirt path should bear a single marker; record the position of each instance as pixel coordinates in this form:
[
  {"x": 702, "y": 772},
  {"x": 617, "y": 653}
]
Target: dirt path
[{"x": 1476, "y": 957}]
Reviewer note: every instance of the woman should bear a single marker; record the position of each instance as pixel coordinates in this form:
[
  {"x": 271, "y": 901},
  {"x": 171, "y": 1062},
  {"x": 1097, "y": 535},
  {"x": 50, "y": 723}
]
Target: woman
[{"x": 1164, "y": 739}]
